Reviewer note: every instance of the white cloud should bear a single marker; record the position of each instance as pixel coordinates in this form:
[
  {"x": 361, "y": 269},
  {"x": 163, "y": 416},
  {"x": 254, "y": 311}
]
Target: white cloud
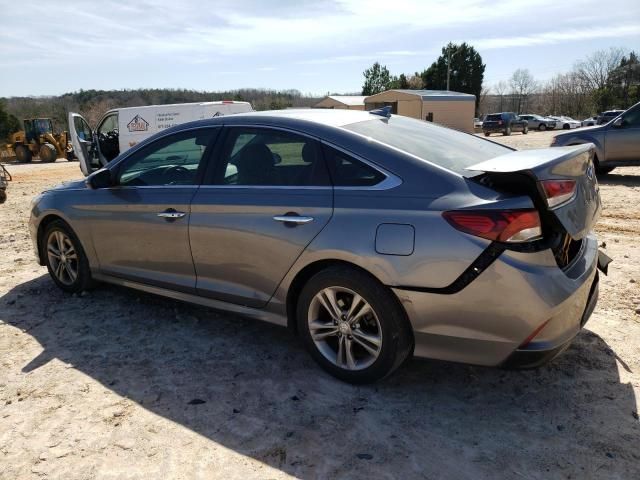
[{"x": 550, "y": 38}]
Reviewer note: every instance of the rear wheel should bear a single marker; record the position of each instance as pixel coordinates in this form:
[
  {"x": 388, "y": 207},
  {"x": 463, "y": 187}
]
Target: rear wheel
[
  {"x": 65, "y": 258},
  {"x": 352, "y": 325},
  {"x": 542, "y": 127},
  {"x": 23, "y": 154},
  {"x": 48, "y": 153},
  {"x": 486, "y": 134},
  {"x": 566, "y": 126}
]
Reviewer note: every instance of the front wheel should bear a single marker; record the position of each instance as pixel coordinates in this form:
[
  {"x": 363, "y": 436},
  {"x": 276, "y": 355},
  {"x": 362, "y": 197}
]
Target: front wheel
[
  {"x": 65, "y": 258},
  {"x": 542, "y": 127},
  {"x": 486, "y": 134},
  {"x": 23, "y": 154},
  {"x": 352, "y": 325},
  {"x": 48, "y": 153}
]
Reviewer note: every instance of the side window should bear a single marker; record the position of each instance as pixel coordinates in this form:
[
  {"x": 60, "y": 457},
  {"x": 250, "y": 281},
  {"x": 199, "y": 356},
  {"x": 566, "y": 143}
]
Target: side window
[
  {"x": 346, "y": 171},
  {"x": 109, "y": 124},
  {"x": 173, "y": 160},
  {"x": 255, "y": 156},
  {"x": 631, "y": 119},
  {"x": 82, "y": 129}
]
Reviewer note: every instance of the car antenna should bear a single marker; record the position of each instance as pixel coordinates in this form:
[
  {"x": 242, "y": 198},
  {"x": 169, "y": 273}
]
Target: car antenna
[{"x": 383, "y": 112}]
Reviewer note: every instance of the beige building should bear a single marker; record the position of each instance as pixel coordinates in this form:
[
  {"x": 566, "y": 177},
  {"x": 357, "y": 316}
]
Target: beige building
[
  {"x": 451, "y": 109},
  {"x": 345, "y": 102}
]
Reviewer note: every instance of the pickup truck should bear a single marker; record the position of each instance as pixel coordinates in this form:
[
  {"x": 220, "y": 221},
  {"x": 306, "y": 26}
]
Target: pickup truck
[{"x": 617, "y": 142}]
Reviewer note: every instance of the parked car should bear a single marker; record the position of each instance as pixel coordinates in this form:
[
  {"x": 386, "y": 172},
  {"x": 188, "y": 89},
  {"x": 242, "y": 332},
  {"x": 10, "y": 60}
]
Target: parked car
[
  {"x": 566, "y": 123},
  {"x": 590, "y": 122},
  {"x": 606, "y": 117},
  {"x": 504, "y": 123},
  {"x": 538, "y": 122},
  {"x": 373, "y": 236},
  {"x": 122, "y": 128},
  {"x": 617, "y": 143},
  {"x": 477, "y": 124}
]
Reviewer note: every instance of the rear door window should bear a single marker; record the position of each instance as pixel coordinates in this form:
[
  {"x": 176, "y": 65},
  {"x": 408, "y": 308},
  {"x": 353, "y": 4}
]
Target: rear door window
[{"x": 267, "y": 157}]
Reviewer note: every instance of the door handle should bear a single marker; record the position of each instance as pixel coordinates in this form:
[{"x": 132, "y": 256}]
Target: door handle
[
  {"x": 298, "y": 220},
  {"x": 171, "y": 214}
]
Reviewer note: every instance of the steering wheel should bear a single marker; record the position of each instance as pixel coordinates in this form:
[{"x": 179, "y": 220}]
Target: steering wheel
[{"x": 178, "y": 171}]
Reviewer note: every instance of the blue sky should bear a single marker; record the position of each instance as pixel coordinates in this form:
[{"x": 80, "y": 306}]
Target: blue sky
[{"x": 313, "y": 46}]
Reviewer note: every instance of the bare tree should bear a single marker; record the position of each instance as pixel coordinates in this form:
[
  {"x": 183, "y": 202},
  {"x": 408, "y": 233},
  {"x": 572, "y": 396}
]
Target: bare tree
[
  {"x": 596, "y": 69},
  {"x": 500, "y": 88},
  {"x": 522, "y": 85}
]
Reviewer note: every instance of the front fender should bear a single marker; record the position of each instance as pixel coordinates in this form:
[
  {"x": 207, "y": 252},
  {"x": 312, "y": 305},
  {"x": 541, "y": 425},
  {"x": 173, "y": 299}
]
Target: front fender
[{"x": 48, "y": 207}]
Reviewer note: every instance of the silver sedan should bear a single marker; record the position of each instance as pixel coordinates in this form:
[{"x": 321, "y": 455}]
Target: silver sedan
[{"x": 372, "y": 236}]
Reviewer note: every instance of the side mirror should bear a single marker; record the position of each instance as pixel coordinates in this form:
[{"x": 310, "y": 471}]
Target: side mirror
[
  {"x": 618, "y": 122},
  {"x": 100, "y": 179}
]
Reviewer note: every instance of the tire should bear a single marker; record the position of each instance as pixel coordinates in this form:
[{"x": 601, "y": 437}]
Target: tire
[
  {"x": 71, "y": 157},
  {"x": 566, "y": 126},
  {"x": 386, "y": 322},
  {"x": 3, "y": 196},
  {"x": 48, "y": 153},
  {"x": 23, "y": 154},
  {"x": 58, "y": 234},
  {"x": 507, "y": 132},
  {"x": 486, "y": 134},
  {"x": 525, "y": 130},
  {"x": 542, "y": 127},
  {"x": 599, "y": 169}
]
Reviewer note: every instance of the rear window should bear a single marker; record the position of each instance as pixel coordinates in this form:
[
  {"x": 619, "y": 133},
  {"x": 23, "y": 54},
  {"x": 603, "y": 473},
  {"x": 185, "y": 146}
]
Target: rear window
[
  {"x": 442, "y": 146},
  {"x": 494, "y": 117}
]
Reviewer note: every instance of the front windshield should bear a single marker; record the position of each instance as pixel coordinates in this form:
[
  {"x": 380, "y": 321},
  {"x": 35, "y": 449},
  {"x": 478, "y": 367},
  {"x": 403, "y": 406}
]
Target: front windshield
[{"x": 441, "y": 146}]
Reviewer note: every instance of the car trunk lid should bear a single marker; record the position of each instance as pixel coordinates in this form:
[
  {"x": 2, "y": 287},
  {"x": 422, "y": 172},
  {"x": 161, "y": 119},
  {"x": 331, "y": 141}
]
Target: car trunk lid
[{"x": 577, "y": 214}]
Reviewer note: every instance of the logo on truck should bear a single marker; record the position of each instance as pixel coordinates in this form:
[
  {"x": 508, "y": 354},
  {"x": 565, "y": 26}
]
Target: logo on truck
[{"x": 138, "y": 124}]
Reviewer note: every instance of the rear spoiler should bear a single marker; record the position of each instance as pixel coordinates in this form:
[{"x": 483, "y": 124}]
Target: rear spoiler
[{"x": 533, "y": 160}]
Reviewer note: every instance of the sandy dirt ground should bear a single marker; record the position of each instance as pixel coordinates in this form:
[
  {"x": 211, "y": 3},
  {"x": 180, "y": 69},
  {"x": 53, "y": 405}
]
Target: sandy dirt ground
[{"x": 118, "y": 384}]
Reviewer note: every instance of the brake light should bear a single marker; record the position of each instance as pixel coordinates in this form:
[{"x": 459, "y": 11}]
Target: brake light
[
  {"x": 558, "y": 191},
  {"x": 514, "y": 226},
  {"x": 499, "y": 122}
]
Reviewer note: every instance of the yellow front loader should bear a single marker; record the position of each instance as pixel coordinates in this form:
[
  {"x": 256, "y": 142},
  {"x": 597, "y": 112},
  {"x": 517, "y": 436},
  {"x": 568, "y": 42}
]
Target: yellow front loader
[{"x": 38, "y": 139}]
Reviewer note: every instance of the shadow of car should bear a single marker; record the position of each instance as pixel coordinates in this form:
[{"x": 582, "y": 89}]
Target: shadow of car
[{"x": 255, "y": 394}]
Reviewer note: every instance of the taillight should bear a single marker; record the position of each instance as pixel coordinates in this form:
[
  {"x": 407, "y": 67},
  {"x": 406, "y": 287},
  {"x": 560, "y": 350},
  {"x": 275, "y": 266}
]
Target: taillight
[
  {"x": 499, "y": 122},
  {"x": 512, "y": 226},
  {"x": 558, "y": 191}
]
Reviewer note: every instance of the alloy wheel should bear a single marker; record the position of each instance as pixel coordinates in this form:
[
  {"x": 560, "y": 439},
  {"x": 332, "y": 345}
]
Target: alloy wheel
[
  {"x": 345, "y": 328},
  {"x": 63, "y": 257}
]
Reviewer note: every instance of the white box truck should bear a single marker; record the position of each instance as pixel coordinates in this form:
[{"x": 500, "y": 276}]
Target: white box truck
[{"x": 122, "y": 128}]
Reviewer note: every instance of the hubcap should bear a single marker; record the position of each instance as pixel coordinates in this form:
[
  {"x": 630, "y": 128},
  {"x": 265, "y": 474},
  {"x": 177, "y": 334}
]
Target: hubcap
[
  {"x": 345, "y": 328},
  {"x": 62, "y": 256}
]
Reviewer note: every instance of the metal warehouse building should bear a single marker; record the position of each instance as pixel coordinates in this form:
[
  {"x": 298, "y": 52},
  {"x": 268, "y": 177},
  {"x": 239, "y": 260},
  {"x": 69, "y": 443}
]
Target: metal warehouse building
[
  {"x": 451, "y": 109},
  {"x": 345, "y": 102}
]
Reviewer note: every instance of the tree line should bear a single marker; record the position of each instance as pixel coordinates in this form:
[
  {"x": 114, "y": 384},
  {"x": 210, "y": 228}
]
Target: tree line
[
  {"x": 92, "y": 104},
  {"x": 607, "y": 79}
]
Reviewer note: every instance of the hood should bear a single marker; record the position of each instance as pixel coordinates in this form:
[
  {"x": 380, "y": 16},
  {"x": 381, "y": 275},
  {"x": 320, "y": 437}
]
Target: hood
[{"x": 70, "y": 185}]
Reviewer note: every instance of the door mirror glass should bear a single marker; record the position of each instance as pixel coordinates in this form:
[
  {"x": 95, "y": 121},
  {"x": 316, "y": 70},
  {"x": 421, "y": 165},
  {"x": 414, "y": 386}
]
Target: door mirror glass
[
  {"x": 100, "y": 179},
  {"x": 617, "y": 122}
]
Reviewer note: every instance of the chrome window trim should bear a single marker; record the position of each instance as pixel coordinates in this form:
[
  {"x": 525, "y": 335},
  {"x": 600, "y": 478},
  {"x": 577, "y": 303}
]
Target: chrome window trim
[{"x": 390, "y": 181}]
